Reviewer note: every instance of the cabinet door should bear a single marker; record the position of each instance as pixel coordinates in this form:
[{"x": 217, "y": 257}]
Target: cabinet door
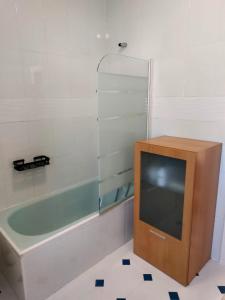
[
  {"x": 162, "y": 192},
  {"x": 164, "y": 181}
]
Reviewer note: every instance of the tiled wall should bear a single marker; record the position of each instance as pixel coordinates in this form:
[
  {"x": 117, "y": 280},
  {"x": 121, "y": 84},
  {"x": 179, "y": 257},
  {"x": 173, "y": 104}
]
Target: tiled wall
[
  {"x": 186, "y": 39},
  {"x": 48, "y": 59}
]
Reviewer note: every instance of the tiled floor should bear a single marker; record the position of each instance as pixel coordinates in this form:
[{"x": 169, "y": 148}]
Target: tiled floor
[
  {"x": 127, "y": 282},
  {"x": 121, "y": 276}
]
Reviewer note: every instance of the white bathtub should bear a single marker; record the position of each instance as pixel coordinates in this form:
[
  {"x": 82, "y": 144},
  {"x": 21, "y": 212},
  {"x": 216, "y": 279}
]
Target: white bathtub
[{"x": 37, "y": 262}]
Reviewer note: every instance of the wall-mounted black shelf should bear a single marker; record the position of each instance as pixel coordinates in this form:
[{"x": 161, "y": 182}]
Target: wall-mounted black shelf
[{"x": 38, "y": 161}]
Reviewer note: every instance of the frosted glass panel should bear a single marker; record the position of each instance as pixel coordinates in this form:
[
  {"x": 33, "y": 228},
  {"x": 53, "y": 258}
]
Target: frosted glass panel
[
  {"x": 121, "y": 103},
  {"x": 116, "y": 163},
  {"x": 121, "y": 64},
  {"x": 117, "y": 134},
  {"x": 119, "y": 82},
  {"x": 116, "y": 196},
  {"x": 122, "y": 120},
  {"x": 115, "y": 182}
]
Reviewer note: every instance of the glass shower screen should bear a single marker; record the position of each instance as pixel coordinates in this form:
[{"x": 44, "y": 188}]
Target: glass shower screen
[{"x": 123, "y": 84}]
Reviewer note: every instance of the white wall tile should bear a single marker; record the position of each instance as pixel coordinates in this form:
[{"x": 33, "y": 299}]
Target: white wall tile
[
  {"x": 165, "y": 25},
  {"x": 50, "y": 108},
  {"x": 32, "y": 36},
  {"x": 9, "y": 34},
  {"x": 86, "y": 19},
  {"x": 3, "y": 188},
  {"x": 85, "y": 132},
  {"x": 83, "y": 76},
  {"x": 222, "y": 21},
  {"x": 124, "y": 12},
  {"x": 78, "y": 26},
  {"x": 63, "y": 172},
  {"x": 34, "y": 66},
  {"x": 201, "y": 69},
  {"x": 56, "y": 77},
  {"x": 169, "y": 77},
  {"x": 204, "y": 21},
  {"x": 56, "y": 18},
  {"x": 220, "y": 71},
  {"x": 14, "y": 141},
  {"x": 189, "y": 128},
  {"x": 16, "y": 110},
  {"x": 64, "y": 137},
  {"x": 41, "y": 138},
  {"x": 189, "y": 108},
  {"x": 19, "y": 187},
  {"x": 11, "y": 74},
  {"x": 83, "y": 107},
  {"x": 217, "y": 249}
]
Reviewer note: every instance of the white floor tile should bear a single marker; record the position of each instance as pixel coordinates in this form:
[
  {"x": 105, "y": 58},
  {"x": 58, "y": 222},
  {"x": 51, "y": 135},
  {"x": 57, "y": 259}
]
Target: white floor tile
[{"x": 127, "y": 281}]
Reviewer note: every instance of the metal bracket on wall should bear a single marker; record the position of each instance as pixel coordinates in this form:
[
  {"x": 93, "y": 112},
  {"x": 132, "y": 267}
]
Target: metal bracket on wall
[{"x": 38, "y": 161}]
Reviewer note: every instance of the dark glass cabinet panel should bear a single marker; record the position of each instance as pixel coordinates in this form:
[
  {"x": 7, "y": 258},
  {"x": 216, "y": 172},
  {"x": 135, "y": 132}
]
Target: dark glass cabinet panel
[{"x": 162, "y": 192}]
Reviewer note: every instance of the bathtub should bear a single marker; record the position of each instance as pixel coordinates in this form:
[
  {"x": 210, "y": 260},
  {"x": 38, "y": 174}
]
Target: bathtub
[{"x": 47, "y": 243}]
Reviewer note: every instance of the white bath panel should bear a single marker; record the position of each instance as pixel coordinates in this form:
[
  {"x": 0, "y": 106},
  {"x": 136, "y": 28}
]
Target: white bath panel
[
  {"x": 51, "y": 266},
  {"x": 41, "y": 270},
  {"x": 6, "y": 292}
]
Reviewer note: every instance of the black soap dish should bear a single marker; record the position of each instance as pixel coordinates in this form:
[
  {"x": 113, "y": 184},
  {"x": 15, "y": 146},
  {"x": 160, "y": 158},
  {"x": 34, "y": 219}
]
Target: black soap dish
[{"x": 38, "y": 161}]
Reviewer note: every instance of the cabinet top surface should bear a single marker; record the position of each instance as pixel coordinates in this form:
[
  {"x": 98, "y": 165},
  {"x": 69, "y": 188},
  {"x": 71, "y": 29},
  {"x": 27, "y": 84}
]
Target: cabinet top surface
[{"x": 180, "y": 143}]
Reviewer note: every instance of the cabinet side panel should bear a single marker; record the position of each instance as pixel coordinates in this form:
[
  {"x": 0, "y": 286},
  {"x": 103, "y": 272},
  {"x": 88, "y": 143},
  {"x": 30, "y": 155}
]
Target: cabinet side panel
[
  {"x": 204, "y": 204},
  {"x": 136, "y": 189}
]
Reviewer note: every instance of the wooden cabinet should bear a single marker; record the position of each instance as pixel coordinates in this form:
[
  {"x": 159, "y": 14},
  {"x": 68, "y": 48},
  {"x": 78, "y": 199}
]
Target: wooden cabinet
[{"x": 176, "y": 183}]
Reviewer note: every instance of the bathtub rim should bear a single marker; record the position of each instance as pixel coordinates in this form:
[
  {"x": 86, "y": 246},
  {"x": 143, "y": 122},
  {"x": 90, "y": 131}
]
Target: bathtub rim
[
  {"x": 78, "y": 223},
  {"x": 45, "y": 240},
  {"x": 7, "y": 212}
]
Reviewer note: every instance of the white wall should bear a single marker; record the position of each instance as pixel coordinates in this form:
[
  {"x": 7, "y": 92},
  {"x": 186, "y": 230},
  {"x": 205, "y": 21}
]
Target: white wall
[
  {"x": 48, "y": 60},
  {"x": 186, "y": 39}
]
